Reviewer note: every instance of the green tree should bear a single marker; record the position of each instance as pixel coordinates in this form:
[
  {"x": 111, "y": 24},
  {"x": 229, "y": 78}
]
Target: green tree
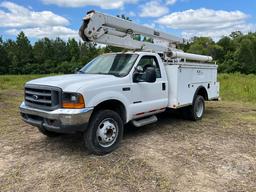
[
  {"x": 73, "y": 50},
  {"x": 60, "y": 51},
  {"x": 24, "y": 53},
  {"x": 234, "y": 53},
  {"x": 228, "y": 48},
  {"x": 11, "y": 49},
  {"x": 247, "y": 55},
  {"x": 4, "y": 61},
  {"x": 39, "y": 51},
  {"x": 88, "y": 51},
  {"x": 205, "y": 46},
  {"x": 43, "y": 50},
  {"x": 227, "y": 44},
  {"x": 239, "y": 53}
]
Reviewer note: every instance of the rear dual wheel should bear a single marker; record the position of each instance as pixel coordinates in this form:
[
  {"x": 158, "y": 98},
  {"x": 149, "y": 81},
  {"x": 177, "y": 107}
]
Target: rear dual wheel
[{"x": 196, "y": 111}]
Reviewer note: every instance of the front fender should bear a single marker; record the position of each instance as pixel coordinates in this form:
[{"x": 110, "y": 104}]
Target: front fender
[{"x": 110, "y": 95}]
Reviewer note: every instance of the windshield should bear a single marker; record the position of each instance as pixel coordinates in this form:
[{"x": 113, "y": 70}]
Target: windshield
[{"x": 111, "y": 64}]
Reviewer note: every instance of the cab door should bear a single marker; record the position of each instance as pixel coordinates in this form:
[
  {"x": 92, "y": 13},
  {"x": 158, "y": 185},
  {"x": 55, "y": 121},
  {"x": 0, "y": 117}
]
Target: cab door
[{"x": 149, "y": 97}]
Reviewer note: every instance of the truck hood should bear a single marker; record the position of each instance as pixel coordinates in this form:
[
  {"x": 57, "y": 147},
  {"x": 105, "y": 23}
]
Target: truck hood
[{"x": 72, "y": 82}]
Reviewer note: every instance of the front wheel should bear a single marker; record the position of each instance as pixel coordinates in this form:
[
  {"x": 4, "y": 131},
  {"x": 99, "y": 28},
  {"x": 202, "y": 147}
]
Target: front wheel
[{"x": 104, "y": 133}]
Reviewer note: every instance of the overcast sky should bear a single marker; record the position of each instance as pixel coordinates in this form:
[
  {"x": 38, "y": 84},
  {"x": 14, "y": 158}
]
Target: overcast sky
[{"x": 185, "y": 18}]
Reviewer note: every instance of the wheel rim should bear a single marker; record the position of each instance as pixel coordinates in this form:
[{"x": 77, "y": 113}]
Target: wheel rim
[
  {"x": 199, "y": 108},
  {"x": 107, "y": 132}
]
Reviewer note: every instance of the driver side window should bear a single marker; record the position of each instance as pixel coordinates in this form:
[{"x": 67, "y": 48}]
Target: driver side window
[{"x": 150, "y": 61}]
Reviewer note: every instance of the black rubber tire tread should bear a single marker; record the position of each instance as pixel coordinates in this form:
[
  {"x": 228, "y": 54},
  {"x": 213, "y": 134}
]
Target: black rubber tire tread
[
  {"x": 48, "y": 133},
  {"x": 191, "y": 110},
  {"x": 90, "y": 139}
]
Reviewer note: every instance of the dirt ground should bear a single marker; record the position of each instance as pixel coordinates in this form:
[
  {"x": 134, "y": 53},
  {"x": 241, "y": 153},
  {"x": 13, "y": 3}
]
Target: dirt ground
[{"x": 215, "y": 154}]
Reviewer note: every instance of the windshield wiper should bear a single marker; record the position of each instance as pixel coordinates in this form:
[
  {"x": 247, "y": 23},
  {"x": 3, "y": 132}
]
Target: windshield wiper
[
  {"x": 100, "y": 73},
  {"x": 108, "y": 74},
  {"x": 116, "y": 75}
]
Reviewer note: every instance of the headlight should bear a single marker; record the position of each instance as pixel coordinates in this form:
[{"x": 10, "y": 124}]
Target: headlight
[{"x": 72, "y": 101}]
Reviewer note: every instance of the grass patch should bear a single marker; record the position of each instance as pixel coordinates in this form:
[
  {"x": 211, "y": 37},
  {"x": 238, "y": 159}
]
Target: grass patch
[
  {"x": 16, "y": 82},
  {"x": 238, "y": 87},
  {"x": 234, "y": 87}
]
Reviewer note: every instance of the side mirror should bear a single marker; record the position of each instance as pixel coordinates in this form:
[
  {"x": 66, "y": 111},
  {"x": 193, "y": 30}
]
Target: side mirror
[
  {"x": 139, "y": 69},
  {"x": 150, "y": 75}
]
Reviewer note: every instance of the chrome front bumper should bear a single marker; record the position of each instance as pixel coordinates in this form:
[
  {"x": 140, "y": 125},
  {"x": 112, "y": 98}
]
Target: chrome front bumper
[{"x": 59, "y": 120}]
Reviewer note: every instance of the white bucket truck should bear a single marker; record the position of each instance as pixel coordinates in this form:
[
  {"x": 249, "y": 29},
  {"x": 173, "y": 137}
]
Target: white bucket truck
[{"x": 117, "y": 88}]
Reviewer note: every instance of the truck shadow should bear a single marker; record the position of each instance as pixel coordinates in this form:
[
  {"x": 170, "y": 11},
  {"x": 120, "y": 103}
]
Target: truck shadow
[
  {"x": 166, "y": 118},
  {"x": 167, "y": 121}
]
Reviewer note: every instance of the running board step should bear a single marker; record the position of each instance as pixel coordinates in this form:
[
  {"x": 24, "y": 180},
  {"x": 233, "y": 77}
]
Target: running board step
[{"x": 145, "y": 121}]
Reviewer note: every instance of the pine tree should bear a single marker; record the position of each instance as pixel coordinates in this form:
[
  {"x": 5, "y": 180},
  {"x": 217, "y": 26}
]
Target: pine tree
[
  {"x": 4, "y": 61},
  {"x": 60, "y": 51},
  {"x": 24, "y": 52},
  {"x": 73, "y": 50}
]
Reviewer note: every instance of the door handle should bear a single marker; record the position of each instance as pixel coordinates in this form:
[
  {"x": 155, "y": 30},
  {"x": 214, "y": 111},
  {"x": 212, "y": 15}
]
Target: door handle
[{"x": 163, "y": 86}]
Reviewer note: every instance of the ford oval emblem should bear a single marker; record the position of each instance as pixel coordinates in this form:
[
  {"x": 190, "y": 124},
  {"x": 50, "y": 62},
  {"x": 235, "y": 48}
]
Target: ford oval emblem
[{"x": 35, "y": 97}]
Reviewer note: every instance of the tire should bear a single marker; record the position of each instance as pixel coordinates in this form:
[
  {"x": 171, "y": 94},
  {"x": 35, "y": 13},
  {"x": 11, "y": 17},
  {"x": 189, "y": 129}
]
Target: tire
[
  {"x": 196, "y": 111},
  {"x": 104, "y": 133},
  {"x": 48, "y": 133}
]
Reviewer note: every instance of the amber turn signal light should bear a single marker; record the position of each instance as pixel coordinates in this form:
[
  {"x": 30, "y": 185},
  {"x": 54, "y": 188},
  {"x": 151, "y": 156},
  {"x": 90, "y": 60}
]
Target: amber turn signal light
[{"x": 73, "y": 101}]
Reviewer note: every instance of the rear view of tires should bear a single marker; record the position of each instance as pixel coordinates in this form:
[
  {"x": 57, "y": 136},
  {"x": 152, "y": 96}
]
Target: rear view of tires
[
  {"x": 196, "y": 111},
  {"x": 104, "y": 133}
]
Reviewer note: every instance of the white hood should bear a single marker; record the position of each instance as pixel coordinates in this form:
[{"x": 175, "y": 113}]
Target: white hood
[{"x": 72, "y": 82}]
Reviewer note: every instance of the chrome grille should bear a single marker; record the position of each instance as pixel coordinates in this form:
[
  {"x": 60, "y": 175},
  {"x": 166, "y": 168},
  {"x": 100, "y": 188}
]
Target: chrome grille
[{"x": 43, "y": 97}]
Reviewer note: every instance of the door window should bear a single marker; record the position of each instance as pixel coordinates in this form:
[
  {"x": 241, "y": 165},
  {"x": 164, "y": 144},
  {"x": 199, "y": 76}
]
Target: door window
[{"x": 150, "y": 61}]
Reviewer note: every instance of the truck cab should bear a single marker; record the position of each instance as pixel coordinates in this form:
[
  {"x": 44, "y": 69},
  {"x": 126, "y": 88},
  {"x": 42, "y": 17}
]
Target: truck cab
[{"x": 113, "y": 90}]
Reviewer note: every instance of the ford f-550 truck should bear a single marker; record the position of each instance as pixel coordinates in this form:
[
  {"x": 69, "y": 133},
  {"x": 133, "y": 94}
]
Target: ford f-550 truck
[{"x": 115, "y": 89}]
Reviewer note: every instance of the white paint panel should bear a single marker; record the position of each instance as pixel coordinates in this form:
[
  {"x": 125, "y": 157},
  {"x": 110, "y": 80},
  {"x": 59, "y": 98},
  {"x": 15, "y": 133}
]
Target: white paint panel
[{"x": 184, "y": 80}]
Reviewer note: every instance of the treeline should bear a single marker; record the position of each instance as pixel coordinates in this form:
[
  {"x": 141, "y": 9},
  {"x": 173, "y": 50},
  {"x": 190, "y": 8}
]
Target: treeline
[
  {"x": 234, "y": 53},
  {"x": 45, "y": 56}
]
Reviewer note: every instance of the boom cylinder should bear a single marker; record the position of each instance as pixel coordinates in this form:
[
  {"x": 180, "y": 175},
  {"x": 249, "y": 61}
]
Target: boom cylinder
[{"x": 190, "y": 56}]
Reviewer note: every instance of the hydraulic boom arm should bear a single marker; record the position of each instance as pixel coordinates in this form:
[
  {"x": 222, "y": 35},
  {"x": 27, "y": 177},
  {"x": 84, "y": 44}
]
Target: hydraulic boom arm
[{"x": 105, "y": 29}]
